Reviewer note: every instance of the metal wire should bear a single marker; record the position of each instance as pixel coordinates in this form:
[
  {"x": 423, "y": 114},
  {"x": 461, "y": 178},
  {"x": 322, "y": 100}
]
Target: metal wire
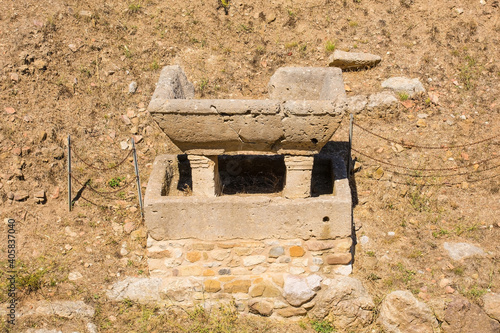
[
  {"x": 101, "y": 193},
  {"x": 425, "y": 147},
  {"x": 432, "y": 184},
  {"x": 445, "y": 175},
  {"x": 101, "y": 169},
  {"x": 421, "y": 169}
]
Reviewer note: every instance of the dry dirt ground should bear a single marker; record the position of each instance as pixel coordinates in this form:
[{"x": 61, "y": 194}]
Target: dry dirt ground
[{"x": 66, "y": 66}]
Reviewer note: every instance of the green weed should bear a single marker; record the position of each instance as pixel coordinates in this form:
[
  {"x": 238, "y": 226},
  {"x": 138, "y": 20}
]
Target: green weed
[
  {"x": 116, "y": 181},
  {"x": 134, "y": 7},
  {"x": 405, "y": 275},
  {"x": 323, "y": 326},
  {"x": 127, "y": 52},
  {"x": 154, "y": 66},
  {"x": 403, "y": 96},
  {"x": 330, "y": 46}
]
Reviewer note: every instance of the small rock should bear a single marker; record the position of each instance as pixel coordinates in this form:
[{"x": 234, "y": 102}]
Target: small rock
[
  {"x": 459, "y": 10},
  {"x": 411, "y": 87},
  {"x": 132, "y": 87},
  {"x": 444, "y": 282},
  {"x": 138, "y": 138},
  {"x": 434, "y": 98},
  {"x": 68, "y": 247},
  {"x": 449, "y": 290},
  {"x": 356, "y": 104},
  {"x": 73, "y": 276},
  {"x": 381, "y": 100},
  {"x": 124, "y": 145},
  {"x": 346, "y": 300},
  {"x": 363, "y": 240},
  {"x": 402, "y": 312},
  {"x": 463, "y": 316},
  {"x": 9, "y": 110},
  {"x": 40, "y": 64},
  {"x": 125, "y": 119},
  {"x": 421, "y": 123},
  {"x": 422, "y": 115},
  {"x": 10, "y": 195},
  {"x": 92, "y": 328},
  {"x": 263, "y": 308},
  {"x": 492, "y": 305},
  {"x": 297, "y": 291},
  {"x": 21, "y": 196},
  {"x": 70, "y": 232},
  {"x": 142, "y": 290},
  {"x": 39, "y": 196},
  {"x": 73, "y": 47},
  {"x": 128, "y": 227},
  {"x": 56, "y": 193},
  {"x": 378, "y": 174},
  {"x": 14, "y": 77},
  {"x": 353, "y": 60},
  {"x": 17, "y": 151},
  {"x": 138, "y": 234},
  {"x": 459, "y": 251},
  {"x": 391, "y": 234},
  {"x": 85, "y": 13}
]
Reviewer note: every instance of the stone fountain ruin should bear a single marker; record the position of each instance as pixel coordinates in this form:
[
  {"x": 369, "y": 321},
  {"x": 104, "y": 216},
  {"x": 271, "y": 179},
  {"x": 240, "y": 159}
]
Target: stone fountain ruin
[{"x": 251, "y": 212}]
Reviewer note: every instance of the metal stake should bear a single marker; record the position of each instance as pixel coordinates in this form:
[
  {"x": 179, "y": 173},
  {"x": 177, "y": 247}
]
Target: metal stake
[
  {"x": 349, "y": 158},
  {"x": 137, "y": 177},
  {"x": 69, "y": 173}
]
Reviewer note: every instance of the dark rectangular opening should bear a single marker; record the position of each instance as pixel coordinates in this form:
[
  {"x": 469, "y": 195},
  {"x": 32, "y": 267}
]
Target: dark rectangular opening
[
  {"x": 322, "y": 176},
  {"x": 185, "y": 183},
  {"x": 252, "y": 174}
]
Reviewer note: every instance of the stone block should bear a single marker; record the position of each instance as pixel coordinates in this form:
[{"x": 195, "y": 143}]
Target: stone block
[
  {"x": 264, "y": 308},
  {"x": 353, "y": 60},
  {"x": 205, "y": 175},
  {"x": 192, "y": 270},
  {"x": 233, "y": 217},
  {"x": 291, "y": 312},
  {"x": 315, "y": 245},
  {"x": 238, "y": 286},
  {"x": 212, "y": 286},
  {"x": 193, "y": 256},
  {"x": 339, "y": 259},
  {"x": 276, "y": 251},
  {"x": 202, "y": 246},
  {"x": 306, "y": 83},
  {"x": 296, "y": 251},
  {"x": 253, "y": 260}
]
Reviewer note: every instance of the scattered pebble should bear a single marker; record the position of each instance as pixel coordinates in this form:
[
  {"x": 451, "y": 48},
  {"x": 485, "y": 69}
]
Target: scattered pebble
[
  {"x": 132, "y": 87},
  {"x": 73, "y": 276},
  {"x": 391, "y": 234},
  {"x": 124, "y": 145},
  {"x": 449, "y": 290},
  {"x": 10, "y": 110},
  {"x": 421, "y": 123}
]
